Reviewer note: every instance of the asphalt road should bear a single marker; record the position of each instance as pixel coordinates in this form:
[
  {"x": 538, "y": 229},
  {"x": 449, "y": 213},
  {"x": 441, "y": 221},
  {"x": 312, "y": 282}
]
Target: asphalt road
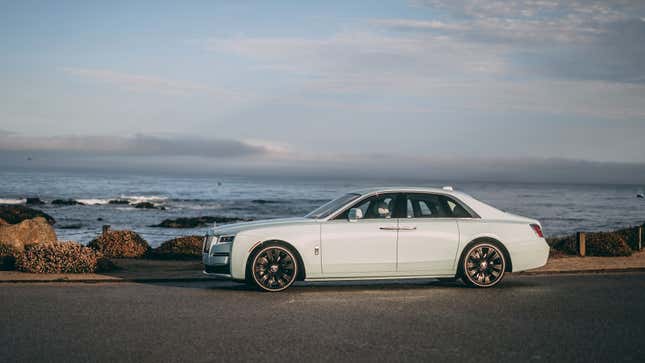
[{"x": 590, "y": 317}]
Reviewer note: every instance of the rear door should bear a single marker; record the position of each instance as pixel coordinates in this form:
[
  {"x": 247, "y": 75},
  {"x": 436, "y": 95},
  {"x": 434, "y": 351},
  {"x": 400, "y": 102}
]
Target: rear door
[{"x": 428, "y": 236}]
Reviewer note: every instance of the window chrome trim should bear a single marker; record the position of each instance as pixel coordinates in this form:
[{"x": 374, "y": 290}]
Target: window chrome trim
[{"x": 346, "y": 207}]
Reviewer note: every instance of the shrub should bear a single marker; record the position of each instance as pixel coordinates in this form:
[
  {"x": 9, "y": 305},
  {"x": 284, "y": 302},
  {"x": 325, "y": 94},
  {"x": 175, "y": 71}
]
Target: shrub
[
  {"x": 8, "y": 256},
  {"x": 181, "y": 248},
  {"x": 630, "y": 235},
  {"x": 120, "y": 244},
  {"x": 59, "y": 257},
  {"x": 607, "y": 244},
  {"x": 104, "y": 265},
  {"x": 597, "y": 244}
]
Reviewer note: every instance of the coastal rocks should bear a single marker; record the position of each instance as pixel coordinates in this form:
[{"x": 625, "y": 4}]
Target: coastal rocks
[
  {"x": 181, "y": 248},
  {"x": 71, "y": 226},
  {"x": 147, "y": 205},
  {"x": 194, "y": 222},
  {"x": 13, "y": 214},
  {"x": 119, "y": 201},
  {"x": 66, "y": 202},
  {"x": 34, "y": 201},
  {"x": 120, "y": 244},
  {"x": 27, "y": 232},
  {"x": 264, "y": 201}
]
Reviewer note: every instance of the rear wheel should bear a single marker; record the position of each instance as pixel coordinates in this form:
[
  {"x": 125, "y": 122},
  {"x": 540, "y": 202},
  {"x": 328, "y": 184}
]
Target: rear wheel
[
  {"x": 274, "y": 268},
  {"x": 483, "y": 265}
]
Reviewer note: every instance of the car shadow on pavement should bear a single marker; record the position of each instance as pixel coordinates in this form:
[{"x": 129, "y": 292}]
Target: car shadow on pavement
[{"x": 225, "y": 285}]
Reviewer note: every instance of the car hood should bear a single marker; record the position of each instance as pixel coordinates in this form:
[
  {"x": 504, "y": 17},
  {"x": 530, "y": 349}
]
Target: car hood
[{"x": 246, "y": 226}]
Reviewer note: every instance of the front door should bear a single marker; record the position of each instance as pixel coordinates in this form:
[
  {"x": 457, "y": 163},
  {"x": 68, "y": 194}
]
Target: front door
[{"x": 365, "y": 247}]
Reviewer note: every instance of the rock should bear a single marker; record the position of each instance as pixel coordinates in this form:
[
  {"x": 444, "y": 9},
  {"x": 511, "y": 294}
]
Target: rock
[
  {"x": 13, "y": 214},
  {"x": 27, "y": 232},
  {"x": 144, "y": 205},
  {"x": 264, "y": 201},
  {"x": 71, "y": 226},
  {"x": 194, "y": 222},
  {"x": 99, "y": 219},
  {"x": 119, "y": 201},
  {"x": 120, "y": 244},
  {"x": 66, "y": 202},
  {"x": 180, "y": 248},
  {"x": 34, "y": 201}
]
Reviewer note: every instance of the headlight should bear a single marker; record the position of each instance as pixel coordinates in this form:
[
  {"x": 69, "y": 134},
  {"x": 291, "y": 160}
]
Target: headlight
[
  {"x": 208, "y": 242},
  {"x": 226, "y": 239}
]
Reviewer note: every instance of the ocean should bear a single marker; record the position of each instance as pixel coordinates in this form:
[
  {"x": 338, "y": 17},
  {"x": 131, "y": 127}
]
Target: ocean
[{"x": 561, "y": 208}]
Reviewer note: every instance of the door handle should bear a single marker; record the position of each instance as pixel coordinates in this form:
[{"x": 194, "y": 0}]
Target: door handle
[
  {"x": 389, "y": 228},
  {"x": 408, "y": 228}
]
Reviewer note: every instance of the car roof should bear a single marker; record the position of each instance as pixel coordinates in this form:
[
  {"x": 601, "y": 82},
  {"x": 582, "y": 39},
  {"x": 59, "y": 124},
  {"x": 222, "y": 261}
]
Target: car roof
[{"x": 408, "y": 189}]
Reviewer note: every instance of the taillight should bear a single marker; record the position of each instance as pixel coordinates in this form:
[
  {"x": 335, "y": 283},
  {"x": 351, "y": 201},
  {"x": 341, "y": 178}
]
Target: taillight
[{"x": 538, "y": 230}]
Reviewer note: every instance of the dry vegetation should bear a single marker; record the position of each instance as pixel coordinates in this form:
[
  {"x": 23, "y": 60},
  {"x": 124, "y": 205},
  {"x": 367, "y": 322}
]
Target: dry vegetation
[
  {"x": 617, "y": 243},
  {"x": 60, "y": 257},
  {"x": 181, "y": 248},
  {"x": 120, "y": 244}
]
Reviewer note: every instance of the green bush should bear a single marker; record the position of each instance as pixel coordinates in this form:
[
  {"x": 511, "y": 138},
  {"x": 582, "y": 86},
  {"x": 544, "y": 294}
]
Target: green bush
[
  {"x": 59, "y": 257},
  {"x": 630, "y": 235},
  {"x": 181, "y": 248},
  {"x": 607, "y": 244},
  {"x": 597, "y": 244},
  {"x": 8, "y": 256},
  {"x": 119, "y": 244}
]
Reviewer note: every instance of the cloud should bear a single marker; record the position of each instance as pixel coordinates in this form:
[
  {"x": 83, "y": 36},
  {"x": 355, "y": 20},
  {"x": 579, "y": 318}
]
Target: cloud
[
  {"x": 427, "y": 72},
  {"x": 364, "y": 61},
  {"x": 581, "y": 40},
  {"x": 138, "y": 145},
  {"x": 137, "y": 82}
]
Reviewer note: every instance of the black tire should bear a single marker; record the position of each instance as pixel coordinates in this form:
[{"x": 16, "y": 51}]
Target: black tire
[
  {"x": 483, "y": 264},
  {"x": 273, "y": 268}
]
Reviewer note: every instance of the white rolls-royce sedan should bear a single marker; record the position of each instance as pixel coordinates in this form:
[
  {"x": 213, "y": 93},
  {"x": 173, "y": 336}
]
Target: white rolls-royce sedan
[{"x": 384, "y": 233}]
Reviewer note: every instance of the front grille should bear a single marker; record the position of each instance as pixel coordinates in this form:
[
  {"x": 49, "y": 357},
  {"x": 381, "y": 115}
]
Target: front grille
[{"x": 224, "y": 269}]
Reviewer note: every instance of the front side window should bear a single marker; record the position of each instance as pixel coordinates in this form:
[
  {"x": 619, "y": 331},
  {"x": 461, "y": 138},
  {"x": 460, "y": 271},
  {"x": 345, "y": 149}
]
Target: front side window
[
  {"x": 330, "y": 207},
  {"x": 376, "y": 207},
  {"x": 434, "y": 206}
]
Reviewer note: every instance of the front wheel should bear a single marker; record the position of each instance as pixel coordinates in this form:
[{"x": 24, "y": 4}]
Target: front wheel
[
  {"x": 274, "y": 268},
  {"x": 483, "y": 265}
]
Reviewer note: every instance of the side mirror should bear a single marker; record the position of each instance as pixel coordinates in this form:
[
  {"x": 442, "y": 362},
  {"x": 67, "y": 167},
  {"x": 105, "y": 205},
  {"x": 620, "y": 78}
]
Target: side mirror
[{"x": 354, "y": 214}]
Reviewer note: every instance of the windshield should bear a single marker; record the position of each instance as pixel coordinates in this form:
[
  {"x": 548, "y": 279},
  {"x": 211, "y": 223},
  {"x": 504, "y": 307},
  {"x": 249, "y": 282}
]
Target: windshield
[{"x": 330, "y": 207}]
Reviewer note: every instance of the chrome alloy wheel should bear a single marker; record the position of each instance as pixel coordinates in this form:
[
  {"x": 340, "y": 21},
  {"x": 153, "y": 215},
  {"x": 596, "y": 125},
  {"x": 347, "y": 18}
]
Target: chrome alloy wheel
[
  {"x": 484, "y": 265},
  {"x": 274, "y": 268}
]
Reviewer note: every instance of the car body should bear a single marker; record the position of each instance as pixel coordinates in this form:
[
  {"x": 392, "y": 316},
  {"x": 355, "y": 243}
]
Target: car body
[{"x": 380, "y": 233}]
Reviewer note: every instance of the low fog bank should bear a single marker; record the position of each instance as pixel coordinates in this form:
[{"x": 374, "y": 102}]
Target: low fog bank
[{"x": 340, "y": 166}]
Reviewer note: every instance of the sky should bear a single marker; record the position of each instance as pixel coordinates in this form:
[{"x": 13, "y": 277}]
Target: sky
[{"x": 443, "y": 89}]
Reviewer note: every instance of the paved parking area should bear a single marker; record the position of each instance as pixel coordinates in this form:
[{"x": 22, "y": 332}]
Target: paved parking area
[{"x": 597, "y": 317}]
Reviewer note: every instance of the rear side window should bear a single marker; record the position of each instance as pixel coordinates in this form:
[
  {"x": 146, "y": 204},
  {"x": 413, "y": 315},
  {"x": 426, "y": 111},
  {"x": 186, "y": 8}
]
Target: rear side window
[{"x": 434, "y": 206}]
